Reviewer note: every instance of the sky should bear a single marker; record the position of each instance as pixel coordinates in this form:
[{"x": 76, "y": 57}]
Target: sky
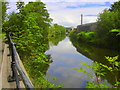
[{"x": 68, "y": 12}]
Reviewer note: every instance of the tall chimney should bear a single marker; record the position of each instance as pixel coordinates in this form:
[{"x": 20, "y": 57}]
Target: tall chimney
[{"x": 81, "y": 19}]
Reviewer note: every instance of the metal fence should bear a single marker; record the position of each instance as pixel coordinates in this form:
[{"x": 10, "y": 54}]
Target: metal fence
[{"x": 16, "y": 68}]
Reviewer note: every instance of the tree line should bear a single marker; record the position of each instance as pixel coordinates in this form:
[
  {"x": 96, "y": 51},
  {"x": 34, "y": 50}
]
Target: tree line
[
  {"x": 107, "y": 34},
  {"x": 30, "y": 28}
]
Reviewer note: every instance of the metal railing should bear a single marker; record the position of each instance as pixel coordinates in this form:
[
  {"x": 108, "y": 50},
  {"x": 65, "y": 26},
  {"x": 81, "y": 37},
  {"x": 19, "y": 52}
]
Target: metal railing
[{"x": 16, "y": 68}]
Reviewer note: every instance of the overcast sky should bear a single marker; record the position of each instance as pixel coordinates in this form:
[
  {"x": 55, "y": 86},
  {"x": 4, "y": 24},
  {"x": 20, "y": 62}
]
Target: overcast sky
[{"x": 68, "y": 12}]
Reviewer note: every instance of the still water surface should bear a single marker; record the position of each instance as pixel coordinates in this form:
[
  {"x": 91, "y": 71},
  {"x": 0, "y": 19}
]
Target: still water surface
[{"x": 65, "y": 58}]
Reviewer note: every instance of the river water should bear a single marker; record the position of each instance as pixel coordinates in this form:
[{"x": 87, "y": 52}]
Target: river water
[{"x": 66, "y": 56}]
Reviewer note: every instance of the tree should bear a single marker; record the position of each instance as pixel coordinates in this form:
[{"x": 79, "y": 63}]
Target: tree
[
  {"x": 20, "y": 5},
  {"x": 56, "y": 30},
  {"x": 4, "y": 9},
  {"x": 56, "y": 33},
  {"x": 14, "y": 23},
  {"x": 29, "y": 27},
  {"x": 109, "y": 19},
  {"x": 108, "y": 22},
  {"x": 115, "y": 6}
]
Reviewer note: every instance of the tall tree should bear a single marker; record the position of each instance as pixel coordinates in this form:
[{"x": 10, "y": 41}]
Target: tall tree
[
  {"x": 115, "y": 6},
  {"x": 4, "y": 9},
  {"x": 20, "y": 5},
  {"x": 107, "y": 21},
  {"x": 29, "y": 26}
]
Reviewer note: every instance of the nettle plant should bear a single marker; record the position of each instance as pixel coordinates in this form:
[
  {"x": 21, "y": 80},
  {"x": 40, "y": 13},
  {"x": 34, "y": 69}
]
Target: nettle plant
[{"x": 100, "y": 70}]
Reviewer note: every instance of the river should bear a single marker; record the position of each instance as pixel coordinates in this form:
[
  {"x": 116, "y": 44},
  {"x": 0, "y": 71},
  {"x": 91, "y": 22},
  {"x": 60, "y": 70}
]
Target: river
[{"x": 66, "y": 56}]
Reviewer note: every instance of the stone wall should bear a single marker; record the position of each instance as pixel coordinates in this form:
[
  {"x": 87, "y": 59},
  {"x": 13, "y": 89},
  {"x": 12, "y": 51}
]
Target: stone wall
[{"x": 89, "y": 27}]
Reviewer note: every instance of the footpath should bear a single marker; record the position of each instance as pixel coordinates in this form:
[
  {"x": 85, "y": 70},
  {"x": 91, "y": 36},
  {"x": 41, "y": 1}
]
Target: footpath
[{"x": 5, "y": 67}]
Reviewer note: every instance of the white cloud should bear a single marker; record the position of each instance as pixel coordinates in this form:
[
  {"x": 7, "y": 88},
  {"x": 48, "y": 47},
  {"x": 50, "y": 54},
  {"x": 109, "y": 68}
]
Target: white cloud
[
  {"x": 71, "y": 16},
  {"x": 79, "y": 0},
  {"x": 64, "y": 0}
]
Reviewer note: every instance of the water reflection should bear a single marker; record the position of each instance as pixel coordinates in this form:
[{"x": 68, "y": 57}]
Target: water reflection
[
  {"x": 65, "y": 58},
  {"x": 56, "y": 39},
  {"x": 94, "y": 53},
  {"x": 98, "y": 54}
]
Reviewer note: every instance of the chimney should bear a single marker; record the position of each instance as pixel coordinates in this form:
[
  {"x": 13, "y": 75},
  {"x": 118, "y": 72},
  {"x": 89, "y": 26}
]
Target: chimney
[{"x": 81, "y": 19}]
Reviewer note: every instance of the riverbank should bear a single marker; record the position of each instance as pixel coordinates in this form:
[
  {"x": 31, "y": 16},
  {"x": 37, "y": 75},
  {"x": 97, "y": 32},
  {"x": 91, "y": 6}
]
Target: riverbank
[{"x": 91, "y": 38}]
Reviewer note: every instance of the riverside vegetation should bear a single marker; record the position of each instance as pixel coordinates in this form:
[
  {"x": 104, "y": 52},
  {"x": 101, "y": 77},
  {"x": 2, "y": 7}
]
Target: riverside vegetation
[
  {"x": 107, "y": 34},
  {"x": 31, "y": 31},
  {"x": 100, "y": 71}
]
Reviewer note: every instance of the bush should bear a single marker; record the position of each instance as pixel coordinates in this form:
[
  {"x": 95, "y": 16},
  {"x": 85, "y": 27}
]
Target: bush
[{"x": 86, "y": 36}]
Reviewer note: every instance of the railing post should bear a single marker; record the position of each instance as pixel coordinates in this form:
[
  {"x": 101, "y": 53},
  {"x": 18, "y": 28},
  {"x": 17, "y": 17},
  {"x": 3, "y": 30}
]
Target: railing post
[
  {"x": 16, "y": 68},
  {"x": 11, "y": 78},
  {"x": 13, "y": 62}
]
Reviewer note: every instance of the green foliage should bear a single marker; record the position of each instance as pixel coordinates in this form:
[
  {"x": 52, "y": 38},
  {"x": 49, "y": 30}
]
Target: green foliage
[
  {"x": 59, "y": 29},
  {"x": 115, "y": 6},
  {"x": 14, "y": 24},
  {"x": 72, "y": 33},
  {"x": 2, "y": 35},
  {"x": 100, "y": 70},
  {"x": 93, "y": 85},
  {"x": 108, "y": 25},
  {"x": 107, "y": 33},
  {"x": 83, "y": 71},
  {"x": 115, "y": 64},
  {"x": 29, "y": 28},
  {"x": 56, "y": 39},
  {"x": 56, "y": 30},
  {"x": 37, "y": 71},
  {"x": 86, "y": 36},
  {"x": 54, "y": 78},
  {"x": 106, "y": 22},
  {"x": 115, "y": 31},
  {"x": 56, "y": 33},
  {"x": 4, "y": 9},
  {"x": 20, "y": 5},
  {"x": 85, "y": 64}
]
